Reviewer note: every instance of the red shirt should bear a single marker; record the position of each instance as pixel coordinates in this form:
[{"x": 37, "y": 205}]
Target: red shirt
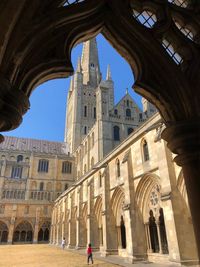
[{"x": 89, "y": 250}]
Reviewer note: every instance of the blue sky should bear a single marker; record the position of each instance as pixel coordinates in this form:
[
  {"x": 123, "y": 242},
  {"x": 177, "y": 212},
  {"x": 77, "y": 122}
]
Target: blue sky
[{"x": 46, "y": 117}]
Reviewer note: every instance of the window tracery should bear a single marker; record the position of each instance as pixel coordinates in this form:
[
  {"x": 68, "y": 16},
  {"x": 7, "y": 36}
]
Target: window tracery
[
  {"x": 146, "y": 18},
  {"x": 181, "y": 3},
  {"x": 70, "y": 2},
  {"x": 171, "y": 51},
  {"x": 184, "y": 30}
]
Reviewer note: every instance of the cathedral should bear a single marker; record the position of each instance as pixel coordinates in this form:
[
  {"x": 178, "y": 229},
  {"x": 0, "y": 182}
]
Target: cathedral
[{"x": 112, "y": 182}]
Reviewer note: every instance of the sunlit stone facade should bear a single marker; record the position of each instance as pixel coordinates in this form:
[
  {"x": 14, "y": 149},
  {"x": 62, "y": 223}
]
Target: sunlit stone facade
[
  {"x": 129, "y": 197},
  {"x": 33, "y": 173}
]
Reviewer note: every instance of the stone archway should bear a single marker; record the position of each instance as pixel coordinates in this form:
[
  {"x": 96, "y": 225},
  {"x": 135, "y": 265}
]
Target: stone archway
[
  {"x": 23, "y": 233},
  {"x": 98, "y": 215},
  {"x": 44, "y": 231},
  {"x": 22, "y": 69},
  {"x": 117, "y": 204},
  {"x": 3, "y": 232},
  {"x": 148, "y": 198}
]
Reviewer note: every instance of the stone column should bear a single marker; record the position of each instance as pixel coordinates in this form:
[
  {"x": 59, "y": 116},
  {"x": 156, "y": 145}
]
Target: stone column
[
  {"x": 159, "y": 238},
  {"x": 11, "y": 229},
  {"x": 79, "y": 237},
  {"x": 109, "y": 230},
  {"x": 36, "y": 228},
  {"x": 70, "y": 233},
  {"x": 29, "y": 177},
  {"x": 92, "y": 234},
  {"x": 184, "y": 140},
  {"x": 135, "y": 232}
]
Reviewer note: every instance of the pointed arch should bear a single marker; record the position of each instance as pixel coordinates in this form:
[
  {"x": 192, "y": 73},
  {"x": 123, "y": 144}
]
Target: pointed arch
[
  {"x": 98, "y": 210},
  {"x": 144, "y": 188},
  {"x": 117, "y": 202}
]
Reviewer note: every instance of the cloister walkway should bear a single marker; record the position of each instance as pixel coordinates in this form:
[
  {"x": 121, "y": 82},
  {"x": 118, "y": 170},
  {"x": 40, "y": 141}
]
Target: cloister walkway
[{"x": 51, "y": 256}]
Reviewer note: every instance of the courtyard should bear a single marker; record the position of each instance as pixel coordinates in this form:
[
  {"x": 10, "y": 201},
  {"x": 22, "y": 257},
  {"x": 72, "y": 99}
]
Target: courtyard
[
  {"x": 51, "y": 256},
  {"x": 42, "y": 256}
]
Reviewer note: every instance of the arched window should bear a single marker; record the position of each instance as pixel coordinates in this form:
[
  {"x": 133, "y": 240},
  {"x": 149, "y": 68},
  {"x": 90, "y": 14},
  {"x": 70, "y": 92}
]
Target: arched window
[
  {"x": 123, "y": 232},
  {"x": 85, "y": 130},
  {"x": 130, "y": 130},
  {"x": 43, "y": 165},
  {"x": 66, "y": 186},
  {"x": 26, "y": 210},
  {"x": 163, "y": 235},
  {"x": 95, "y": 113},
  {"x": 127, "y": 103},
  {"x": 153, "y": 232},
  {"x": 116, "y": 133},
  {"x": 66, "y": 167},
  {"x": 85, "y": 111},
  {"x": 116, "y": 111},
  {"x": 43, "y": 234},
  {"x": 145, "y": 151},
  {"x": 3, "y": 232},
  {"x": 16, "y": 172},
  {"x": 23, "y": 232},
  {"x": 118, "y": 168},
  {"x": 41, "y": 186},
  {"x": 19, "y": 158},
  {"x": 128, "y": 112}
]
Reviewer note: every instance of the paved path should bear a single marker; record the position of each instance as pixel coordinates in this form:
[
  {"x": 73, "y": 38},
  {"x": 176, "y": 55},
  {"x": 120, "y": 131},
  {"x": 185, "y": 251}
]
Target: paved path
[{"x": 51, "y": 256}]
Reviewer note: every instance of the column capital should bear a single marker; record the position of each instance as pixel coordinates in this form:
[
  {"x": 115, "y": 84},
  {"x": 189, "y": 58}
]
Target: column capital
[{"x": 183, "y": 139}]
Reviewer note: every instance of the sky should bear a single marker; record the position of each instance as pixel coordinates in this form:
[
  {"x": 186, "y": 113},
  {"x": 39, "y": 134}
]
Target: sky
[{"x": 46, "y": 118}]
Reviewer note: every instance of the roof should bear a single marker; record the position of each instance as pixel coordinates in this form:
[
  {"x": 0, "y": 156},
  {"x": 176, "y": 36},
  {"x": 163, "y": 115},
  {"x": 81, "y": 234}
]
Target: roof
[{"x": 33, "y": 145}]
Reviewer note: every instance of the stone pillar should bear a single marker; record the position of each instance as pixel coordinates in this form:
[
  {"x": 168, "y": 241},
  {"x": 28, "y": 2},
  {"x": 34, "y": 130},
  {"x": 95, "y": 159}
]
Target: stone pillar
[
  {"x": 29, "y": 178},
  {"x": 11, "y": 230},
  {"x": 12, "y": 224},
  {"x": 109, "y": 230},
  {"x": 184, "y": 140},
  {"x": 36, "y": 228},
  {"x": 159, "y": 238},
  {"x": 91, "y": 227},
  {"x": 135, "y": 232},
  {"x": 70, "y": 222},
  {"x": 79, "y": 230}
]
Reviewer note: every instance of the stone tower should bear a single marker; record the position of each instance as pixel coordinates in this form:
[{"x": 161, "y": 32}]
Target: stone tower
[{"x": 81, "y": 102}]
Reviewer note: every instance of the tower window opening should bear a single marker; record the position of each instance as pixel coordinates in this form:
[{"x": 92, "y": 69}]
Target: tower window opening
[
  {"x": 85, "y": 111},
  {"x": 85, "y": 130},
  {"x": 95, "y": 113}
]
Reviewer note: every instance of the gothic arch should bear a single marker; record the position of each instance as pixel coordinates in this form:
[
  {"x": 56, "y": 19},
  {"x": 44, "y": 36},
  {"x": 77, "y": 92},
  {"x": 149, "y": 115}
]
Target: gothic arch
[
  {"x": 3, "y": 232},
  {"x": 84, "y": 213},
  {"x": 144, "y": 188},
  {"x": 44, "y": 231},
  {"x": 98, "y": 210},
  {"x": 117, "y": 202},
  {"x": 23, "y": 232}
]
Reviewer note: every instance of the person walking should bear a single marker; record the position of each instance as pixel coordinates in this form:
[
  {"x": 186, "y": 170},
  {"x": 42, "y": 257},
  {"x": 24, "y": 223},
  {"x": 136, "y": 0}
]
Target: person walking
[
  {"x": 63, "y": 243},
  {"x": 89, "y": 254}
]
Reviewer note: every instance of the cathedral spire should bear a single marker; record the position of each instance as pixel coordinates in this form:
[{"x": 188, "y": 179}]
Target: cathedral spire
[
  {"x": 90, "y": 63},
  {"x": 108, "y": 75}
]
